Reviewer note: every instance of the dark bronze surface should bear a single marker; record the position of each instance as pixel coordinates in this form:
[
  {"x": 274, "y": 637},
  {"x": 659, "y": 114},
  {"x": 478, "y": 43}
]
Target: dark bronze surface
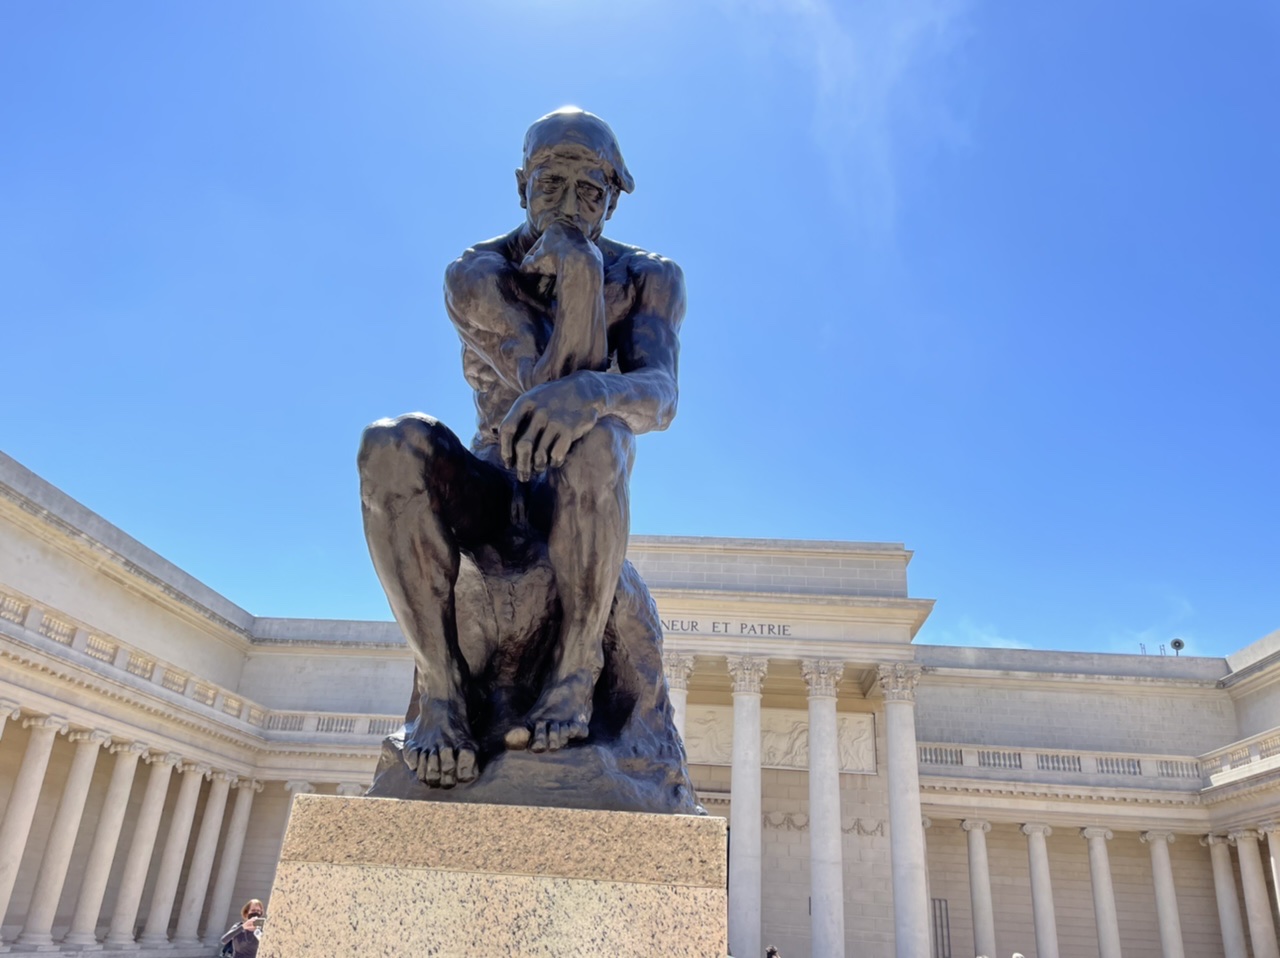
[{"x": 538, "y": 648}]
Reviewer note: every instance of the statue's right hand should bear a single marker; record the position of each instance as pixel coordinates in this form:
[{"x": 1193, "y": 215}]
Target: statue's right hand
[{"x": 562, "y": 245}]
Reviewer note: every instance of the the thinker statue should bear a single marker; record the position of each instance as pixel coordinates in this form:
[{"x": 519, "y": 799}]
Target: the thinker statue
[{"x": 504, "y": 564}]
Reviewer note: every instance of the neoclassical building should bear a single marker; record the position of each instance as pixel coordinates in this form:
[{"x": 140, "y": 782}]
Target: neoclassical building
[{"x": 884, "y": 798}]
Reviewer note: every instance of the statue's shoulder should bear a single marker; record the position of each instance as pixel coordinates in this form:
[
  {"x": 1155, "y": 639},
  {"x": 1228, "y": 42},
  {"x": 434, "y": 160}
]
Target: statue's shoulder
[
  {"x": 503, "y": 246},
  {"x": 643, "y": 268}
]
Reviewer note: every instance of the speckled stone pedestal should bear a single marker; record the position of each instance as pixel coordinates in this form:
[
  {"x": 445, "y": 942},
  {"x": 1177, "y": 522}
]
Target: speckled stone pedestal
[{"x": 382, "y": 877}]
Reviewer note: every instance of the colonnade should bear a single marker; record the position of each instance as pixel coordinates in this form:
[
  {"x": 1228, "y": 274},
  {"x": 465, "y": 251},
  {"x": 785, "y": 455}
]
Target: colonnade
[
  {"x": 826, "y": 867},
  {"x": 203, "y": 886},
  {"x": 1258, "y": 906}
]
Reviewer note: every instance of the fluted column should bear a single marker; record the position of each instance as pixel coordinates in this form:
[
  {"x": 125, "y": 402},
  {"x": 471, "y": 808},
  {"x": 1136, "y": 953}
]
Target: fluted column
[
  {"x": 906, "y": 837},
  {"x": 746, "y": 874},
  {"x": 8, "y": 710},
  {"x": 229, "y": 867},
  {"x": 134, "y": 876},
  {"x": 1166, "y": 895},
  {"x": 1046, "y": 921},
  {"x": 1104, "y": 895},
  {"x": 678, "y": 666},
  {"x": 156, "y": 931},
  {"x": 1224, "y": 888},
  {"x": 202, "y": 861},
  {"x": 826, "y": 858},
  {"x": 984, "y": 916},
  {"x": 1270, "y": 829},
  {"x": 37, "y": 930},
  {"x": 15, "y": 827},
  {"x": 84, "y": 923},
  {"x": 1257, "y": 903}
]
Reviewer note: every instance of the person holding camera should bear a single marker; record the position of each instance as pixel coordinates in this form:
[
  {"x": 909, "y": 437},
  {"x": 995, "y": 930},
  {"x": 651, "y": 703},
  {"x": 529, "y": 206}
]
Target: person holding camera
[{"x": 241, "y": 941}]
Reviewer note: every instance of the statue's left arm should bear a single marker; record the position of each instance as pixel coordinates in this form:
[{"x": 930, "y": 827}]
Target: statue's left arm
[{"x": 545, "y": 422}]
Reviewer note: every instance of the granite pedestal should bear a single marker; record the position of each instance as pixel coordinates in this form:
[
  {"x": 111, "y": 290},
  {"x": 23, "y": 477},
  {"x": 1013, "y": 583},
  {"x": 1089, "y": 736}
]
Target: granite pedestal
[{"x": 368, "y": 876}]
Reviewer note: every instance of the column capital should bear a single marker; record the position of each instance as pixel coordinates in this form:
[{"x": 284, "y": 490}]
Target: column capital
[
  {"x": 1243, "y": 834},
  {"x": 201, "y": 769},
  {"x": 1155, "y": 835},
  {"x": 1210, "y": 840},
  {"x": 926, "y": 821},
  {"x": 172, "y": 759},
  {"x": 9, "y": 709},
  {"x": 250, "y": 783},
  {"x": 678, "y": 666},
  {"x": 350, "y": 789},
  {"x": 1269, "y": 827},
  {"x": 90, "y": 735},
  {"x": 55, "y": 722},
  {"x": 1094, "y": 831},
  {"x": 821, "y": 676},
  {"x": 299, "y": 787},
  {"x": 976, "y": 825},
  {"x": 1037, "y": 828},
  {"x": 222, "y": 775},
  {"x": 898, "y": 681},
  {"x": 136, "y": 748},
  {"x": 748, "y": 672}
]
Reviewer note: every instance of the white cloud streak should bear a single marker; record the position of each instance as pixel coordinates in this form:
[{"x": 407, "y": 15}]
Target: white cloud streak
[{"x": 881, "y": 83}]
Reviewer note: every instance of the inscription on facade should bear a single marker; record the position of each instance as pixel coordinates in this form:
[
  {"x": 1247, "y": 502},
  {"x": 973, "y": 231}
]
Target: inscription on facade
[
  {"x": 784, "y": 738},
  {"x": 726, "y": 627}
]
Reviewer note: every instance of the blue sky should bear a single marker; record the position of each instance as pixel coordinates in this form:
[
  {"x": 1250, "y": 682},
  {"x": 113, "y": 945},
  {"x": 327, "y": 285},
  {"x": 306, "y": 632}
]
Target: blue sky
[{"x": 1000, "y": 282}]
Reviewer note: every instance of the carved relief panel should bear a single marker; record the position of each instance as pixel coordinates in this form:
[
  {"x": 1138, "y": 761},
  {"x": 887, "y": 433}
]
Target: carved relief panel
[{"x": 784, "y": 739}]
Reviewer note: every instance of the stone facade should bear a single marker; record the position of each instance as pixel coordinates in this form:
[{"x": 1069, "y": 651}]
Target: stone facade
[{"x": 885, "y": 798}]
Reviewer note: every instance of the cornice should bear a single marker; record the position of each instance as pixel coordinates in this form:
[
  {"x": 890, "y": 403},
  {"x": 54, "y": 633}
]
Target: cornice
[
  {"x": 1041, "y": 791},
  {"x": 213, "y": 725},
  {"x": 684, "y": 545},
  {"x": 57, "y": 531},
  {"x": 950, "y": 675}
]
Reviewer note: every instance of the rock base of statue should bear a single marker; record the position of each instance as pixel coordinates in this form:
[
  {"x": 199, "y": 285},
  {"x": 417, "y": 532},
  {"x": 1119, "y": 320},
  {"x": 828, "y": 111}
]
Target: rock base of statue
[
  {"x": 361, "y": 876},
  {"x": 633, "y": 759}
]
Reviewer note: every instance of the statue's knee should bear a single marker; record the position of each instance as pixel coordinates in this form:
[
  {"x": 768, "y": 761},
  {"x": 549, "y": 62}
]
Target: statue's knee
[
  {"x": 387, "y": 443},
  {"x": 604, "y": 454}
]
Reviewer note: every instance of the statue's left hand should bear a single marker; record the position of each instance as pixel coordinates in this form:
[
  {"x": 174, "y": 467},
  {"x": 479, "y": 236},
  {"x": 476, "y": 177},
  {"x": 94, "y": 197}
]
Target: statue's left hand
[{"x": 545, "y": 422}]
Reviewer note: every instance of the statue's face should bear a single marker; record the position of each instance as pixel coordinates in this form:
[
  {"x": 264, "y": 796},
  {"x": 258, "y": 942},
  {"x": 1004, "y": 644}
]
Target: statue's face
[{"x": 569, "y": 186}]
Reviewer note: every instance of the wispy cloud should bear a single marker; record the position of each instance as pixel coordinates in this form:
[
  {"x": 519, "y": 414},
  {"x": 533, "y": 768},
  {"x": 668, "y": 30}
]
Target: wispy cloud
[
  {"x": 975, "y": 635},
  {"x": 1173, "y": 613},
  {"x": 881, "y": 80}
]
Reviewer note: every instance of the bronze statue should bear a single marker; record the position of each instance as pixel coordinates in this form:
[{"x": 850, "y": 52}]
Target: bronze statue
[{"x": 505, "y": 564}]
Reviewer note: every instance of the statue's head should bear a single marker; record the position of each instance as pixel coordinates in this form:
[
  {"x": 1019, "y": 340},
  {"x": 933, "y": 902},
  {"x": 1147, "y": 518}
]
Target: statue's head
[{"x": 573, "y": 170}]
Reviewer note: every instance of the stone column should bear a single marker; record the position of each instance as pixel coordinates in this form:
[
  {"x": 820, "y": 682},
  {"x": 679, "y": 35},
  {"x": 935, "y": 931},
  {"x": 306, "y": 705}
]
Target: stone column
[
  {"x": 678, "y": 666},
  {"x": 1257, "y": 903},
  {"x": 1046, "y": 921},
  {"x": 745, "y": 868},
  {"x": 1224, "y": 888},
  {"x": 84, "y": 924},
  {"x": 36, "y": 931},
  {"x": 156, "y": 931},
  {"x": 906, "y": 838},
  {"x": 229, "y": 868},
  {"x": 202, "y": 861},
  {"x": 8, "y": 710},
  {"x": 15, "y": 827},
  {"x": 826, "y": 858},
  {"x": 984, "y": 916},
  {"x": 1104, "y": 896},
  {"x": 1166, "y": 895},
  {"x": 1270, "y": 829},
  {"x": 134, "y": 876}
]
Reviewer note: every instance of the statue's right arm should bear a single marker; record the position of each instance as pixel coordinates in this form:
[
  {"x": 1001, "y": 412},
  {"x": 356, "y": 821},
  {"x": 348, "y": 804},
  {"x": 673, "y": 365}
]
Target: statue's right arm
[{"x": 483, "y": 299}]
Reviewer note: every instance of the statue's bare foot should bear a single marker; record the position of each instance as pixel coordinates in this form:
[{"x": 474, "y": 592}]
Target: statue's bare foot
[
  {"x": 562, "y": 714},
  {"x": 438, "y": 747}
]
